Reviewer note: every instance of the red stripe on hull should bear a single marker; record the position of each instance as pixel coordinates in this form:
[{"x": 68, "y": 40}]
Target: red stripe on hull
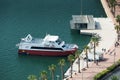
[{"x": 47, "y": 53}]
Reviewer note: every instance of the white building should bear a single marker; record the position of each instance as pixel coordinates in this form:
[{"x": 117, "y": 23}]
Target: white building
[{"x": 82, "y": 22}]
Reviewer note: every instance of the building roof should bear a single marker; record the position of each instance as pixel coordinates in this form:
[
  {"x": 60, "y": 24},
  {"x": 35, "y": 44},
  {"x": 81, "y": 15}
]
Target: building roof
[{"x": 82, "y": 18}]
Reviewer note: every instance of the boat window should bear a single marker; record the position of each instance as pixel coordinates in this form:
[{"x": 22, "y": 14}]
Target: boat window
[
  {"x": 63, "y": 46},
  {"x": 59, "y": 41},
  {"x": 49, "y": 48},
  {"x": 26, "y": 46}
]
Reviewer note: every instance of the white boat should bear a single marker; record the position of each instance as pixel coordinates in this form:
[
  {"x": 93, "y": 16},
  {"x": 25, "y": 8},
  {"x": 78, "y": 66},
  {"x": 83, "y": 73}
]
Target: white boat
[{"x": 50, "y": 45}]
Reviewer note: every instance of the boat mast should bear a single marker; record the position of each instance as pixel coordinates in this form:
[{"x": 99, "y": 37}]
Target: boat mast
[{"x": 81, "y": 7}]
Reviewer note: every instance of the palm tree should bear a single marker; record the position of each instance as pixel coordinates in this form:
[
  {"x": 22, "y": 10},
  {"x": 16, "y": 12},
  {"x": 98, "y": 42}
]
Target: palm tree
[
  {"x": 62, "y": 64},
  {"x": 118, "y": 19},
  {"x": 117, "y": 28},
  {"x": 32, "y": 77},
  {"x": 114, "y": 78},
  {"x": 77, "y": 55},
  {"x": 52, "y": 68},
  {"x": 95, "y": 40},
  {"x": 71, "y": 59},
  {"x": 113, "y": 4},
  {"x": 43, "y": 75},
  {"x": 86, "y": 49}
]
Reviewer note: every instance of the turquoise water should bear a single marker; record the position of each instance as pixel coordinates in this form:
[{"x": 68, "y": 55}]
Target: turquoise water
[
  {"x": 38, "y": 17},
  {"x": 117, "y": 74}
]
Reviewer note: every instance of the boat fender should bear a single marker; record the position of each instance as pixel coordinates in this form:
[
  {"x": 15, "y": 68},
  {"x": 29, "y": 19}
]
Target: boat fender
[{"x": 23, "y": 51}]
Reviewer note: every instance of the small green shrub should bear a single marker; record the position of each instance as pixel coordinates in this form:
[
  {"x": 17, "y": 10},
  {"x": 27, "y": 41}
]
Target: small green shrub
[
  {"x": 111, "y": 68},
  {"x": 118, "y": 62},
  {"x": 104, "y": 72},
  {"x": 101, "y": 74}
]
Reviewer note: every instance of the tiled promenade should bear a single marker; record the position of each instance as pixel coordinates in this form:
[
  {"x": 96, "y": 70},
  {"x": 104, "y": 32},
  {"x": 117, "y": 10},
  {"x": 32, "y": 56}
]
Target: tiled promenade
[
  {"x": 93, "y": 69},
  {"x": 107, "y": 10}
]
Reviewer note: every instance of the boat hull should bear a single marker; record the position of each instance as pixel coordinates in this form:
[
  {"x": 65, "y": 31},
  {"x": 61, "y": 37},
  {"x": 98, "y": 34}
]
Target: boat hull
[{"x": 47, "y": 53}]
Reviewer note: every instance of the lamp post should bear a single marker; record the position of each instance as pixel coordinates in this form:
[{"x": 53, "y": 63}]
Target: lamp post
[
  {"x": 116, "y": 44},
  {"x": 82, "y": 65},
  {"x": 82, "y": 75},
  {"x": 114, "y": 56}
]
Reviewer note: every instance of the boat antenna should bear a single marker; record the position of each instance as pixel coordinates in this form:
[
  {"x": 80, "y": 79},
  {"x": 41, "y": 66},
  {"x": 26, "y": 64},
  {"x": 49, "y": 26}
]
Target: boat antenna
[
  {"x": 46, "y": 33},
  {"x": 81, "y": 7}
]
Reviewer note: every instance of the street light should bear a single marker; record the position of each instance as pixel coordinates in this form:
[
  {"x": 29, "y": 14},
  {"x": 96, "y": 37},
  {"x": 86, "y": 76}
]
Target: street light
[
  {"x": 82, "y": 75},
  {"x": 82, "y": 65},
  {"x": 114, "y": 57},
  {"x": 116, "y": 44}
]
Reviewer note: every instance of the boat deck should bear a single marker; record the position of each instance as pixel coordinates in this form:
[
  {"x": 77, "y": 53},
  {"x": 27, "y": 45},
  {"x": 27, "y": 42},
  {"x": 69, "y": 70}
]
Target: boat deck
[{"x": 34, "y": 40}]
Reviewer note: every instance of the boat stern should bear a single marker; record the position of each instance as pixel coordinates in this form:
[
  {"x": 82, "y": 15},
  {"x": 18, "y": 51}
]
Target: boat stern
[
  {"x": 75, "y": 46},
  {"x": 72, "y": 48}
]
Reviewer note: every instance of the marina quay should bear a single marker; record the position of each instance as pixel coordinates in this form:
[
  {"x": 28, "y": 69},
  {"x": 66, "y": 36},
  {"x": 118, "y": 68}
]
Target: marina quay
[{"x": 104, "y": 27}]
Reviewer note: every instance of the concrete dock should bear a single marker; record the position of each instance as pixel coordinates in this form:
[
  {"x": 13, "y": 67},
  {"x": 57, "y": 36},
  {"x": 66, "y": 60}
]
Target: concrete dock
[{"x": 105, "y": 29}]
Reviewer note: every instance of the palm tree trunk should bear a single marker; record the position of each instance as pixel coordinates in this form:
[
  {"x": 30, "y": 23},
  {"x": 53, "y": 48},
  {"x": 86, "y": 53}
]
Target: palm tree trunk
[
  {"x": 117, "y": 36},
  {"x": 62, "y": 74},
  {"x": 109, "y": 3},
  {"x": 71, "y": 69},
  {"x": 79, "y": 65},
  {"x": 52, "y": 75},
  {"x": 94, "y": 53},
  {"x": 87, "y": 59},
  {"x": 114, "y": 10}
]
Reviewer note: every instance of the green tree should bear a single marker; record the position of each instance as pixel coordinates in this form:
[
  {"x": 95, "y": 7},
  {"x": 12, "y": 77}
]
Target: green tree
[
  {"x": 95, "y": 40},
  {"x": 114, "y": 78},
  {"x": 117, "y": 28},
  {"x": 77, "y": 55},
  {"x": 62, "y": 64},
  {"x": 71, "y": 59},
  {"x": 118, "y": 19},
  {"x": 32, "y": 77},
  {"x": 86, "y": 49},
  {"x": 52, "y": 68},
  {"x": 113, "y": 3},
  {"x": 43, "y": 75}
]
